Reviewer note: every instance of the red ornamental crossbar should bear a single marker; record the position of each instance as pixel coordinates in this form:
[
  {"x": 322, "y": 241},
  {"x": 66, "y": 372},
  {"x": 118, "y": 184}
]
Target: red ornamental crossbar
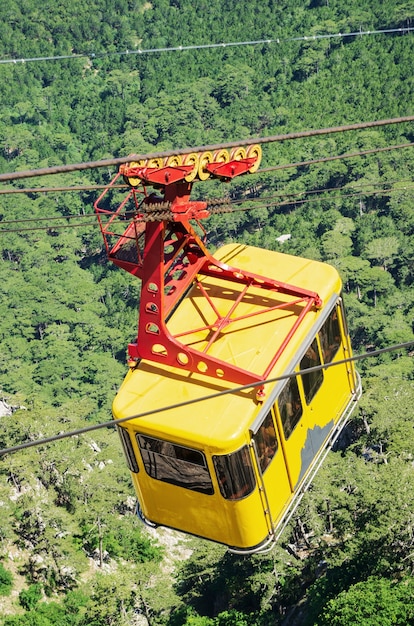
[{"x": 169, "y": 256}]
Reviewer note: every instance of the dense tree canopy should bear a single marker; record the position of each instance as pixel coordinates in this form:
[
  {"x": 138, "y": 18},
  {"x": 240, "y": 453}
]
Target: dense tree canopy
[{"x": 71, "y": 550}]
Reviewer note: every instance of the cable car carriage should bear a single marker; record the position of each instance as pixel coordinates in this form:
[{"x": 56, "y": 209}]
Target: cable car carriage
[{"x": 231, "y": 401}]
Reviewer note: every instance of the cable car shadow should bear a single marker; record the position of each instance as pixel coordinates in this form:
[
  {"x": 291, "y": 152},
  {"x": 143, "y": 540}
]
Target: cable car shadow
[
  {"x": 271, "y": 299},
  {"x": 241, "y": 321},
  {"x": 214, "y": 580},
  {"x": 210, "y": 384},
  {"x": 313, "y": 587}
]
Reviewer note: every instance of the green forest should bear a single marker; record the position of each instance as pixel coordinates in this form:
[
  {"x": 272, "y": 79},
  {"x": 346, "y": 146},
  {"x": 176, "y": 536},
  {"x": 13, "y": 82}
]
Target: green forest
[{"x": 74, "y": 89}]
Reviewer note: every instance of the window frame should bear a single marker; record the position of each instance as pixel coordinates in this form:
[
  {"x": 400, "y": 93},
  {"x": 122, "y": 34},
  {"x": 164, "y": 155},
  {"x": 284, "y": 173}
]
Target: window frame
[
  {"x": 235, "y": 474},
  {"x": 128, "y": 449},
  {"x": 330, "y": 336},
  {"x": 170, "y": 459},
  {"x": 312, "y": 381},
  {"x": 289, "y": 422},
  {"x": 265, "y": 442}
]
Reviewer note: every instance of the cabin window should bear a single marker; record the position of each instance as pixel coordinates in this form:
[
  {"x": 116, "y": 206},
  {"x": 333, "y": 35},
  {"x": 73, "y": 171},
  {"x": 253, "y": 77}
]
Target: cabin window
[
  {"x": 266, "y": 442},
  {"x": 311, "y": 380},
  {"x": 330, "y": 337},
  {"x": 235, "y": 474},
  {"x": 128, "y": 449},
  {"x": 178, "y": 465},
  {"x": 290, "y": 406}
]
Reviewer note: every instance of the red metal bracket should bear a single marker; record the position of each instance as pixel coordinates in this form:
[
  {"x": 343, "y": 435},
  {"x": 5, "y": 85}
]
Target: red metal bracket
[
  {"x": 231, "y": 169},
  {"x": 158, "y": 175},
  {"x": 170, "y": 256}
]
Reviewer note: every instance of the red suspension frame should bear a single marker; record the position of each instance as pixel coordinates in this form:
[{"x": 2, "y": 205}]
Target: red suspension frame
[{"x": 169, "y": 256}]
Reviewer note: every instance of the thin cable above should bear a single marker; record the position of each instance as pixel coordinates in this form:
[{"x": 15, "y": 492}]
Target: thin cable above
[{"x": 209, "y": 46}]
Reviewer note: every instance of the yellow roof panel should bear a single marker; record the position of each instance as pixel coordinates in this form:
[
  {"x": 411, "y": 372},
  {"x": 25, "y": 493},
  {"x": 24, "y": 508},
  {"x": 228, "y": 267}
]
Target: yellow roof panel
[{"x": 248, "y": 343}]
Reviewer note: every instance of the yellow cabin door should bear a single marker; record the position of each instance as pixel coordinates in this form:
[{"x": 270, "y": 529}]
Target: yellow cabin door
[
  {"x": 292, "y": 422},
  {"x": 272, "y": 475},
  {"x": 339, "y": 381},
  {"x": 308, "y": 407}
]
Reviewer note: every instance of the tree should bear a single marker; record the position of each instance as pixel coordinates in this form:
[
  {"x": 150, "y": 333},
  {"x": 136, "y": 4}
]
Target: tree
[
  {"x": 186, "y": 616},
  {"x": 379, "y": 282},
  {"x": 383, "y": 250},
  {"x": 112, "y": 600},
  {"x": 336, "y": 245},
  {"x": 6, "y": 581},
  {"x": 352, "y": 271},
  {"x": 233, "y": 618},
  {"x": 67, "y": 317},
  {"x": 30, "y": 597},
  {"x": 233, "y": 84},
  {"x": 374, "y": 602}
]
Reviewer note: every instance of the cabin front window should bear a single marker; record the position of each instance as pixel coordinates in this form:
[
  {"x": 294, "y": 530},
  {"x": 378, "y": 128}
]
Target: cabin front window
[
  {"x": 235, "y": 474},
  {"x": 178, "y": 465}
]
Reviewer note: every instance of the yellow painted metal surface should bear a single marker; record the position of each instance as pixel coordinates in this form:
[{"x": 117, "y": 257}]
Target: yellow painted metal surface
[{"x": 221, "y": 425}]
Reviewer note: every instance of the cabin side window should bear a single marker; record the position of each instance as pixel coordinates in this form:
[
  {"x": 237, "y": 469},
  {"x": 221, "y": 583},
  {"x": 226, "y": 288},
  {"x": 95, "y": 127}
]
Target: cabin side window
[
  {"x": 330, "y": 337},
  {"x": 290, "y": 406},
  {"x": 311, "y": 380},
  {"x": 235, "y": 474},
  {"x": 128, "y": 449},
  {"x": 266, "y": 442},
  {"x": 174, "y": 464}
]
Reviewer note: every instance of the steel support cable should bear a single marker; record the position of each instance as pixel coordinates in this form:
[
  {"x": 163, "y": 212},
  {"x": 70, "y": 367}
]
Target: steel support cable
[
  {"x": 215, "y": 207},
  {"x": 229, "y": 208},
  {"x": 224, "y": 207},
  {"x": 178, "y": 405},
  {"x": 271, "y": 168},
  {"x": 211, "y": 203},
  {"x": 59, "y": 189},
  {"x": 268, "y": 169},
  {"x": 60, "y": 169},
  {"x": 356, "y": 188},
  {"x": 51, "y": 218},
  {"x": 54, "y": 227},
  {"x": 349, "y": 155}
]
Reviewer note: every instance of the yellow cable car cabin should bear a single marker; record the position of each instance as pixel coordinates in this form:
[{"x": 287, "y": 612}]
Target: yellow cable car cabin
[
  {"x": 220, "y": 435},
  {"x": 232, "y": 468}
]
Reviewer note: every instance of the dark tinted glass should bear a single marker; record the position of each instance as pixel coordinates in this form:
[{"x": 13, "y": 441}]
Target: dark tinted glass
[
  {"x": 235, "y": 474},
  {"x": 330, "y": 337},
  {"x": 175, "y": 464},
  {"x": 266, "y": 442},
  {"x": 128, "y": 449},
  {"x": 312, "y": 380},
  {"x": 290, "y": 406}
]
